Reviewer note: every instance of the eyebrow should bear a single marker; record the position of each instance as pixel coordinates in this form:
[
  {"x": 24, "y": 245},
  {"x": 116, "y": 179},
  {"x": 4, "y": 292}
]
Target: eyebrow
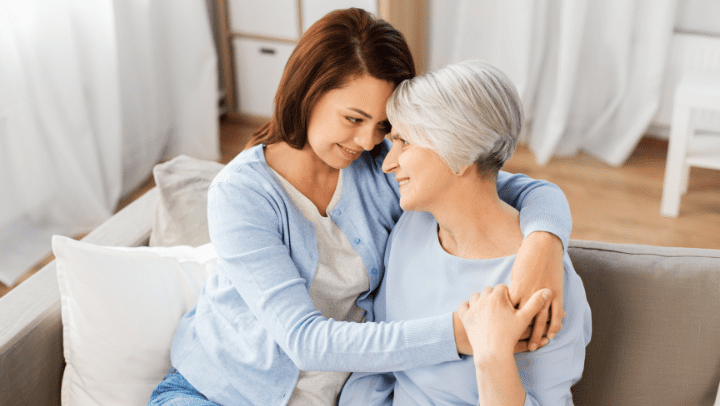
[
  {"x": 393, "y": 136},
  {"x": 366, "y": 115}
]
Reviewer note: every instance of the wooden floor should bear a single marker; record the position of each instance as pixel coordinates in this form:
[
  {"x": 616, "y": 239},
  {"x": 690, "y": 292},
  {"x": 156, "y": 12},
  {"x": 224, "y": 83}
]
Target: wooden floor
[
  {"x": 609, "y": 204},
  {"x": 622, "y": 205}
]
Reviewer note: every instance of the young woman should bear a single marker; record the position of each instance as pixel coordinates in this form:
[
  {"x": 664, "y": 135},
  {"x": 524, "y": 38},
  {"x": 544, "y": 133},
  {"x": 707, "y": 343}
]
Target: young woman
[
  {"x": 453, "y": 129},
  {"x": 300, "y": 222}
]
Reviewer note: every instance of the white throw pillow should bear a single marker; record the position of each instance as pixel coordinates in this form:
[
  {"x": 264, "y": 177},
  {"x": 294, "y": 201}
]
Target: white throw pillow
[{"x": 120, "y": 309}]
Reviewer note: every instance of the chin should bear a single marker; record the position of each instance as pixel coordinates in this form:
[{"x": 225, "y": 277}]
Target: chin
[
  {"x": 405, "y": 205},
  {"x": 342, "y": 165}
]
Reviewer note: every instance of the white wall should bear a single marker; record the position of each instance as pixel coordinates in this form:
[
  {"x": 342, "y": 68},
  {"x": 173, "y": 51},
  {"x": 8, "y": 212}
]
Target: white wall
[{"x": 699, "y": 15}]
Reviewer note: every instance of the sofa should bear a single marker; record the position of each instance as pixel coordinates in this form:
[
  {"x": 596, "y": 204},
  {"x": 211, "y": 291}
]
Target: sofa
[{"x": 655, "y": 310}]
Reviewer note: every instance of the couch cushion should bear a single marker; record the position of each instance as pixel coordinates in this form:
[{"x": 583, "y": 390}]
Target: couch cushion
[
  {"x": 181, "y": 212},
  {"x": 656, "y": 323},
  {"x": 120, "y": 308}
]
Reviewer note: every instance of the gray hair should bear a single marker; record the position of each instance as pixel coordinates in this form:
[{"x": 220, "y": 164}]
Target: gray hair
[{"x": 468, "y": 113}]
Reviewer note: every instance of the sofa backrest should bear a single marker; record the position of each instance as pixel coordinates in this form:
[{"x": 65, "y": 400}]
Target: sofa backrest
[{"x": 655, "y": 321}]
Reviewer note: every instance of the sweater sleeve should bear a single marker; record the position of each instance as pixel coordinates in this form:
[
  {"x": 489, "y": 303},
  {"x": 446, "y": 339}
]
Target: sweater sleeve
[
  {"x": 542, "y": 205},
  {"x": 247, "y": 229}
]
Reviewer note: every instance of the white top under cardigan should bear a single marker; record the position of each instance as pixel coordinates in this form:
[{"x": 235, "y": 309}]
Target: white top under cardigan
[
  {"x": 340, "y": 278},
  {"x": 255, "y": 326}
]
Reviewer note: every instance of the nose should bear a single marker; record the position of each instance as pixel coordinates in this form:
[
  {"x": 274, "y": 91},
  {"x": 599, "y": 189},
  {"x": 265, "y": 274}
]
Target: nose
[
  {"x": 366, "y": 139},
  {"x": 390, "y": 164}
]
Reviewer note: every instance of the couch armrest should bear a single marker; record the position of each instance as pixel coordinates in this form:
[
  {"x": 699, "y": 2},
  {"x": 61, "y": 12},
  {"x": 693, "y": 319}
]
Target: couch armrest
[{"x": 31, "y": 350}]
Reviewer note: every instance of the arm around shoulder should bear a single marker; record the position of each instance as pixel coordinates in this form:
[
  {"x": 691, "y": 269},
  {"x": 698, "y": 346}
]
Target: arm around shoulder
[{"x": 265, "y": 252}]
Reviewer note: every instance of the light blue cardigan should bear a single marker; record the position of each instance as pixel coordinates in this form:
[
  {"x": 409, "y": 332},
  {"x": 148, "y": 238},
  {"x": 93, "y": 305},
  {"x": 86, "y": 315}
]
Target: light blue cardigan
[{"x": 255, "y": 327}]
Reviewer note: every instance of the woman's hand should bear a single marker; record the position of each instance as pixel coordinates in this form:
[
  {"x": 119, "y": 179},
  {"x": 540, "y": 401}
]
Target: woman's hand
[
  {"x": 492, "y": 323},
  {"x": 463, "y": 343},
  {"x": 494, "y": 326},
  {"x": 538, "y": 265}
]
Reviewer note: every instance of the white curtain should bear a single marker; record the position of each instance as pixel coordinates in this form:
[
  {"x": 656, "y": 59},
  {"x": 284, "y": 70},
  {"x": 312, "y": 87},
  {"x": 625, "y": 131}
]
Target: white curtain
[
  {"x": 92, "y": 95},
  {"x": 590, "y": 72}
]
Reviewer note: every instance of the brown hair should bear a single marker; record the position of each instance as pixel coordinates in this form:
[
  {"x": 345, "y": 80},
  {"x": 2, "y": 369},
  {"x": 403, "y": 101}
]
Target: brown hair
[{"x": 342, "y": 45}]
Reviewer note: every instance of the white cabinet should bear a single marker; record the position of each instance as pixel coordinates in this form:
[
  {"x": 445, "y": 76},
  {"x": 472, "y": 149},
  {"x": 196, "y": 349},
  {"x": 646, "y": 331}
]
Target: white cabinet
[
  {"x": 258, "y": 36},
  {"x": 265, "y": 18},
  {"x": 259, "y": 66}
]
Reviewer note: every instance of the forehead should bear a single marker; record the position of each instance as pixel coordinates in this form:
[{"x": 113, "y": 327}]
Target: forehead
[{"x": 362, "y": 93}]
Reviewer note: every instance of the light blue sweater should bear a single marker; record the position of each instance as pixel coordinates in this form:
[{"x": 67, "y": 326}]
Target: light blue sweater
[
  {"x": 255, "y": 327},
  {"x": 423, "y": 280}
]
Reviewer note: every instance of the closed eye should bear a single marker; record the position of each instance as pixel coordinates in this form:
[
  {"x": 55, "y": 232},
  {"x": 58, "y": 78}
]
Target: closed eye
[
  {"x": 396, "y": 137},
  {"x": 353, "y": 120}
]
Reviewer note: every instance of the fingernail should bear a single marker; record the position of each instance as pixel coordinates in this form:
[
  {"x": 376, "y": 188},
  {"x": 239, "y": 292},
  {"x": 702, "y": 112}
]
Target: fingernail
[
  {"x": 546, "y": 294},
  {"x": 544, "y": 341},
  {"x": 532, "y": 347},
  {"x": 551, "y": 336}
]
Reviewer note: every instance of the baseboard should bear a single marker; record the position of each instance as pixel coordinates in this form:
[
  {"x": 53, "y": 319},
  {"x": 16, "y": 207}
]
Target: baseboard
[{"x": 659, "y": 131}]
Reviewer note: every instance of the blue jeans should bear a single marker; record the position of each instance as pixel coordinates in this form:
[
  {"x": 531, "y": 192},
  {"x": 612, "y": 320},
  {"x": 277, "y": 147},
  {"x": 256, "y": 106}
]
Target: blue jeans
[{"x": 175, "y": 390}]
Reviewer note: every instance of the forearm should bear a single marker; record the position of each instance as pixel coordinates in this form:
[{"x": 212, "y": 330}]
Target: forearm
[
  {"x": 541, "y": 253},
  {"x": 498, "y": 381}
]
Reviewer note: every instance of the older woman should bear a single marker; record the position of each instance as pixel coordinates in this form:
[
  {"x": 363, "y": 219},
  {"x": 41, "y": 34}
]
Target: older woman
[{"x": 452, "y": 130}]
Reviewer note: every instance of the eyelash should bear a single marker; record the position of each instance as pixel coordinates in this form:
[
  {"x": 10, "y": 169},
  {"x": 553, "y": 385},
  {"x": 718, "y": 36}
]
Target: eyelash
[{"x": 384, "y": 127}]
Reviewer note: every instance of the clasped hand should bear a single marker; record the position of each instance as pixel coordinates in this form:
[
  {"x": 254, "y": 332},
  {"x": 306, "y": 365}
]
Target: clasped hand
[{"x": 494, "y": 326}]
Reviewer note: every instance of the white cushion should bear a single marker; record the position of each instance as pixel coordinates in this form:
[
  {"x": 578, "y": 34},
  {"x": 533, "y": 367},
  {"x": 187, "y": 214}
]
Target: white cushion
[{"x": 120, "y": 308}]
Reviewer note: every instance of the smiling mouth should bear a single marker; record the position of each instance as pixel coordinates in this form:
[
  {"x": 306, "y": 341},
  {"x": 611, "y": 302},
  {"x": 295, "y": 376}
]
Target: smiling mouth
[
  {"x": 350, "y": 153},
  {"x": 404, "y": 181}
]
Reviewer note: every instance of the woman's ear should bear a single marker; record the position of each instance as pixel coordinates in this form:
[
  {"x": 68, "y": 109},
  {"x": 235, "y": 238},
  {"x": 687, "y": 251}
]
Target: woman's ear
[{"x": 463, "y": 170}]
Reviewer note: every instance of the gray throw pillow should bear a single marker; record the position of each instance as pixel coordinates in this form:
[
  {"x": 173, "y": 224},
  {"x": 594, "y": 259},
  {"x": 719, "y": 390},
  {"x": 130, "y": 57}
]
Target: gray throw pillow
[{"x": 181, "y": 212}]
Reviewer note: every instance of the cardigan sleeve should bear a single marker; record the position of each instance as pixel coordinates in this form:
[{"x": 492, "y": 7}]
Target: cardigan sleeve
[
  {"x": 542, "y": 205},
  {"x": 250, "y": 234}
]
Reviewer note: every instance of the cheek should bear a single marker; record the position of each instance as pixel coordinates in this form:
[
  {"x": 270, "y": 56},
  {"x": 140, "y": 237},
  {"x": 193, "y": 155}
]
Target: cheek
[
  {"x": 317, "y": 134},
  {"x": 411, "y": 162},
  {"x": 318, "y": 123}
]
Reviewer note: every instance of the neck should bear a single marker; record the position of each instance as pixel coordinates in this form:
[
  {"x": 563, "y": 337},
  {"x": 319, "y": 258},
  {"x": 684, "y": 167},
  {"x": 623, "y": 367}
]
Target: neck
[
  {"x": 312, "y": 177},
  {"x": 288, "y": 161},
  {"x": 474, "y": 223}
]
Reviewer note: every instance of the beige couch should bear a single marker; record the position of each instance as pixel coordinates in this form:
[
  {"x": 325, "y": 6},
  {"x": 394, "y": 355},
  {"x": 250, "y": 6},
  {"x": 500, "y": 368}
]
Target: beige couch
[{"x": 656, "y": 311}]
